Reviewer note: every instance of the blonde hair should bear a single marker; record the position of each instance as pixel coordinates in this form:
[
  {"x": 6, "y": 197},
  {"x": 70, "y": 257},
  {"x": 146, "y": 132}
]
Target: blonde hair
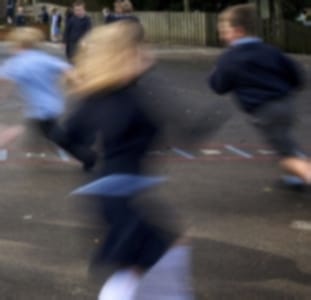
[
  {"x": 25, "y": 37},
  {"x": 107, "y": 58},
  {"x": 244, "y": 16}
]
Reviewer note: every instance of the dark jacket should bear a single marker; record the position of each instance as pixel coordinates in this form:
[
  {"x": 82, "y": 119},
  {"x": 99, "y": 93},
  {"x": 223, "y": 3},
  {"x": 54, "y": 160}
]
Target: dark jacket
[
  {"x": 77, "y": 28},
  {"x": 20, "y": 20},
  {"x": 44, "y": 17},
  {"x": 256, "y": 73},
  {"x": 111, "y": 18},
  {"x": 124, "y": 128}
]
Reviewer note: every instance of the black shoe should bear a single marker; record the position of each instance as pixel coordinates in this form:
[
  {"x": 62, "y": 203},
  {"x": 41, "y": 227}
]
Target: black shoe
[
  {"x": 89, "y": 164},
  {"x": 294, "y": 186}
]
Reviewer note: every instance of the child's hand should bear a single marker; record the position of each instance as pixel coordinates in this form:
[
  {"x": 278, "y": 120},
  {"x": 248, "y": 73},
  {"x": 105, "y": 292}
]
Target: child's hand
[{"x": 9, "y": 133}]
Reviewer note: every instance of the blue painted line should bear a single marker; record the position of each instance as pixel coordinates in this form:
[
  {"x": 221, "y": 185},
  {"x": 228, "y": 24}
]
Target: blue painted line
[
  {"x": 238, "y": 151},
  {"x": 3, "y": 154},
  {"x": 63, "y": 155},
  {"x": 183, "y": 153}
]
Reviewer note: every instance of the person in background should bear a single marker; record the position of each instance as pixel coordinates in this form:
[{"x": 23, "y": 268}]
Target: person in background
[
  {"x": 44, "y": 17},
  {"x": 37, "y": 75},
  {"x": 263, "y": 80},
  {"x": 20, "y": 19},
  {"x": 302, "y": 17},
  {"x": 123, "y": 10},
  {"x": 56, "y": 22},
  {"x": 10, "y": 7},
  {"x": 78, "y": 25},
  {"x": 106, "y": 14}
]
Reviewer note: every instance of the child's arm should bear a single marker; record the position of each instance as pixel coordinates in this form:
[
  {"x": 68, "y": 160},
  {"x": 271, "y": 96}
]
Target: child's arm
[{"x": 221, "y": 79}]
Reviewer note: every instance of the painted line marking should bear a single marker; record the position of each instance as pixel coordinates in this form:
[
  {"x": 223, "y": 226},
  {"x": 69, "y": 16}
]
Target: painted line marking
[
  {"x": 266, "y": 152},
  {"x": 4, "y": 154},
  {"x": 238, "y": 151},
  {"x": 63, "y": 155},
  {"x": 183, "y": 153},
  {"x": 301, "y": 225},
  {"x": 32, "y": 154},
  {"x": 211, "y": 152}
]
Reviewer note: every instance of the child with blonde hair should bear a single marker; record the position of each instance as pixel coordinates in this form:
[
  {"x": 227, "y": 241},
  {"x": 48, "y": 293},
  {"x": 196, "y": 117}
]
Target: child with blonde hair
[
  {"x": 38, "y": 77},
  {"x": 108, "y": 65},
  {"x": 263, "y": 80}
]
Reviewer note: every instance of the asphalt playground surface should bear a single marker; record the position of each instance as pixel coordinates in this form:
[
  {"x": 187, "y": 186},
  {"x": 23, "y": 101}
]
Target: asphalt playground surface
[{"x": 251, "y": 239}]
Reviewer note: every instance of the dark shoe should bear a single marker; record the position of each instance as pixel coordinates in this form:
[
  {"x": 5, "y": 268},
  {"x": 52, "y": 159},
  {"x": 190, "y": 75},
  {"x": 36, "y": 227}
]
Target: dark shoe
[
  {"x": 89, "y": 164},
  {"x": 292, "y": 183}
]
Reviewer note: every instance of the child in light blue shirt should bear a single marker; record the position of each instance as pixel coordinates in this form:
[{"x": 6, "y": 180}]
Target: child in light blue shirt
[{"x": 38, "y": 77}]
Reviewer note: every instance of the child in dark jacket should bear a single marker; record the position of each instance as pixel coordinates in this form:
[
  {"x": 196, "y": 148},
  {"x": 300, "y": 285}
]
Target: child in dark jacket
[
  {"x": 78, "y": 25},
  {"x": 263, "y": 81},
  {"x": 108, "y": 65}
]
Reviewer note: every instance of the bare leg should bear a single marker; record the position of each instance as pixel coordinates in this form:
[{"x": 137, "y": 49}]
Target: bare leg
[{"x": 298, "y": 167}]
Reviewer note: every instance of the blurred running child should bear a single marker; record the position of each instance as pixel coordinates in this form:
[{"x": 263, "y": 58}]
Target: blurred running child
[
  {"x": 108, "y": 65},
  {"x": 263, "y": 80},
  {"x": 38, "y": 77}
]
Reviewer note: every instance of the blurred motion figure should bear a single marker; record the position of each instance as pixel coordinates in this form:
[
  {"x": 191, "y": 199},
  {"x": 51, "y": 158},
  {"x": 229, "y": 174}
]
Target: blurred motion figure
[
  {"x": 108, "y": 65},
  {"x": 263, "y": 80}
]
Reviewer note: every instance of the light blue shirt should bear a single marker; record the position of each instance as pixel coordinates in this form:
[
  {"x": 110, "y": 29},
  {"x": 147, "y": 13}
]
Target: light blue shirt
[
  {"x": 37, "y": 74},
  {"x": 246, "y": 40}
]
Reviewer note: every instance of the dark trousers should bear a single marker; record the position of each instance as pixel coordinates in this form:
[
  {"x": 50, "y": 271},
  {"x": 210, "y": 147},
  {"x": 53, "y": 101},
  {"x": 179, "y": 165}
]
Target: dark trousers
[
  {"x": 131, "y": 240},
  {"x": 52, "y": 131},
  {"x": 70, "y": 50},
  {"x": 275, "y": 120}
]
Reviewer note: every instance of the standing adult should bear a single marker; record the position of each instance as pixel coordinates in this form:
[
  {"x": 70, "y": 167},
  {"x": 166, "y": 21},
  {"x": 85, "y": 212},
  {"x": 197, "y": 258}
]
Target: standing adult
[
  {"x": 10, "y": 7},
  {"x": 56, "y": 22},
  {"x": 78, "y": 25},
  {"x": 106, "y": 14},
  {"x": 44, "y": 17},
  {"x": 20, "y": 19}
]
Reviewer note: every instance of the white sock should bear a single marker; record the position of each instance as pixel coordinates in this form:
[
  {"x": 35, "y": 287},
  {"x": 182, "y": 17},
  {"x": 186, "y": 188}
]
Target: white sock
[
  {"x": 122, "y": 285},
  {"x": 170, "y": 278}
]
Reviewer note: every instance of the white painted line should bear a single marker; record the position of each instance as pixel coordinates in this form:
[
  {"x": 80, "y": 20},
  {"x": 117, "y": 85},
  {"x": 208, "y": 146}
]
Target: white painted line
[
  {"x": 63, "y": 155},
  {"x": 211, "y": 152},
  {"x": 238, "y": 151},
  {"x": 183, "y": 153},
  {"x": 266, "y": 152},
  {"x": 27, "y": 217},
  {"x": 3, "y": 154},
  {"x": 32, "y": 154},
  {"x": 301, "y": 225}
]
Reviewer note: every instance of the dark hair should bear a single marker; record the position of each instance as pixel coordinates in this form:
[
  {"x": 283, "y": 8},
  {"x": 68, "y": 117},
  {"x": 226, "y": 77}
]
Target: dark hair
[
  {"x": 244, "y": 16},
  {"x": 79, "y": 3}
]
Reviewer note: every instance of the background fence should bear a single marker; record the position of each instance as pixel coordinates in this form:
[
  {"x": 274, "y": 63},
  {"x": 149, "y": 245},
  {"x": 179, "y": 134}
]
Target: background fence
[{"x": 200, "y": 29}]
